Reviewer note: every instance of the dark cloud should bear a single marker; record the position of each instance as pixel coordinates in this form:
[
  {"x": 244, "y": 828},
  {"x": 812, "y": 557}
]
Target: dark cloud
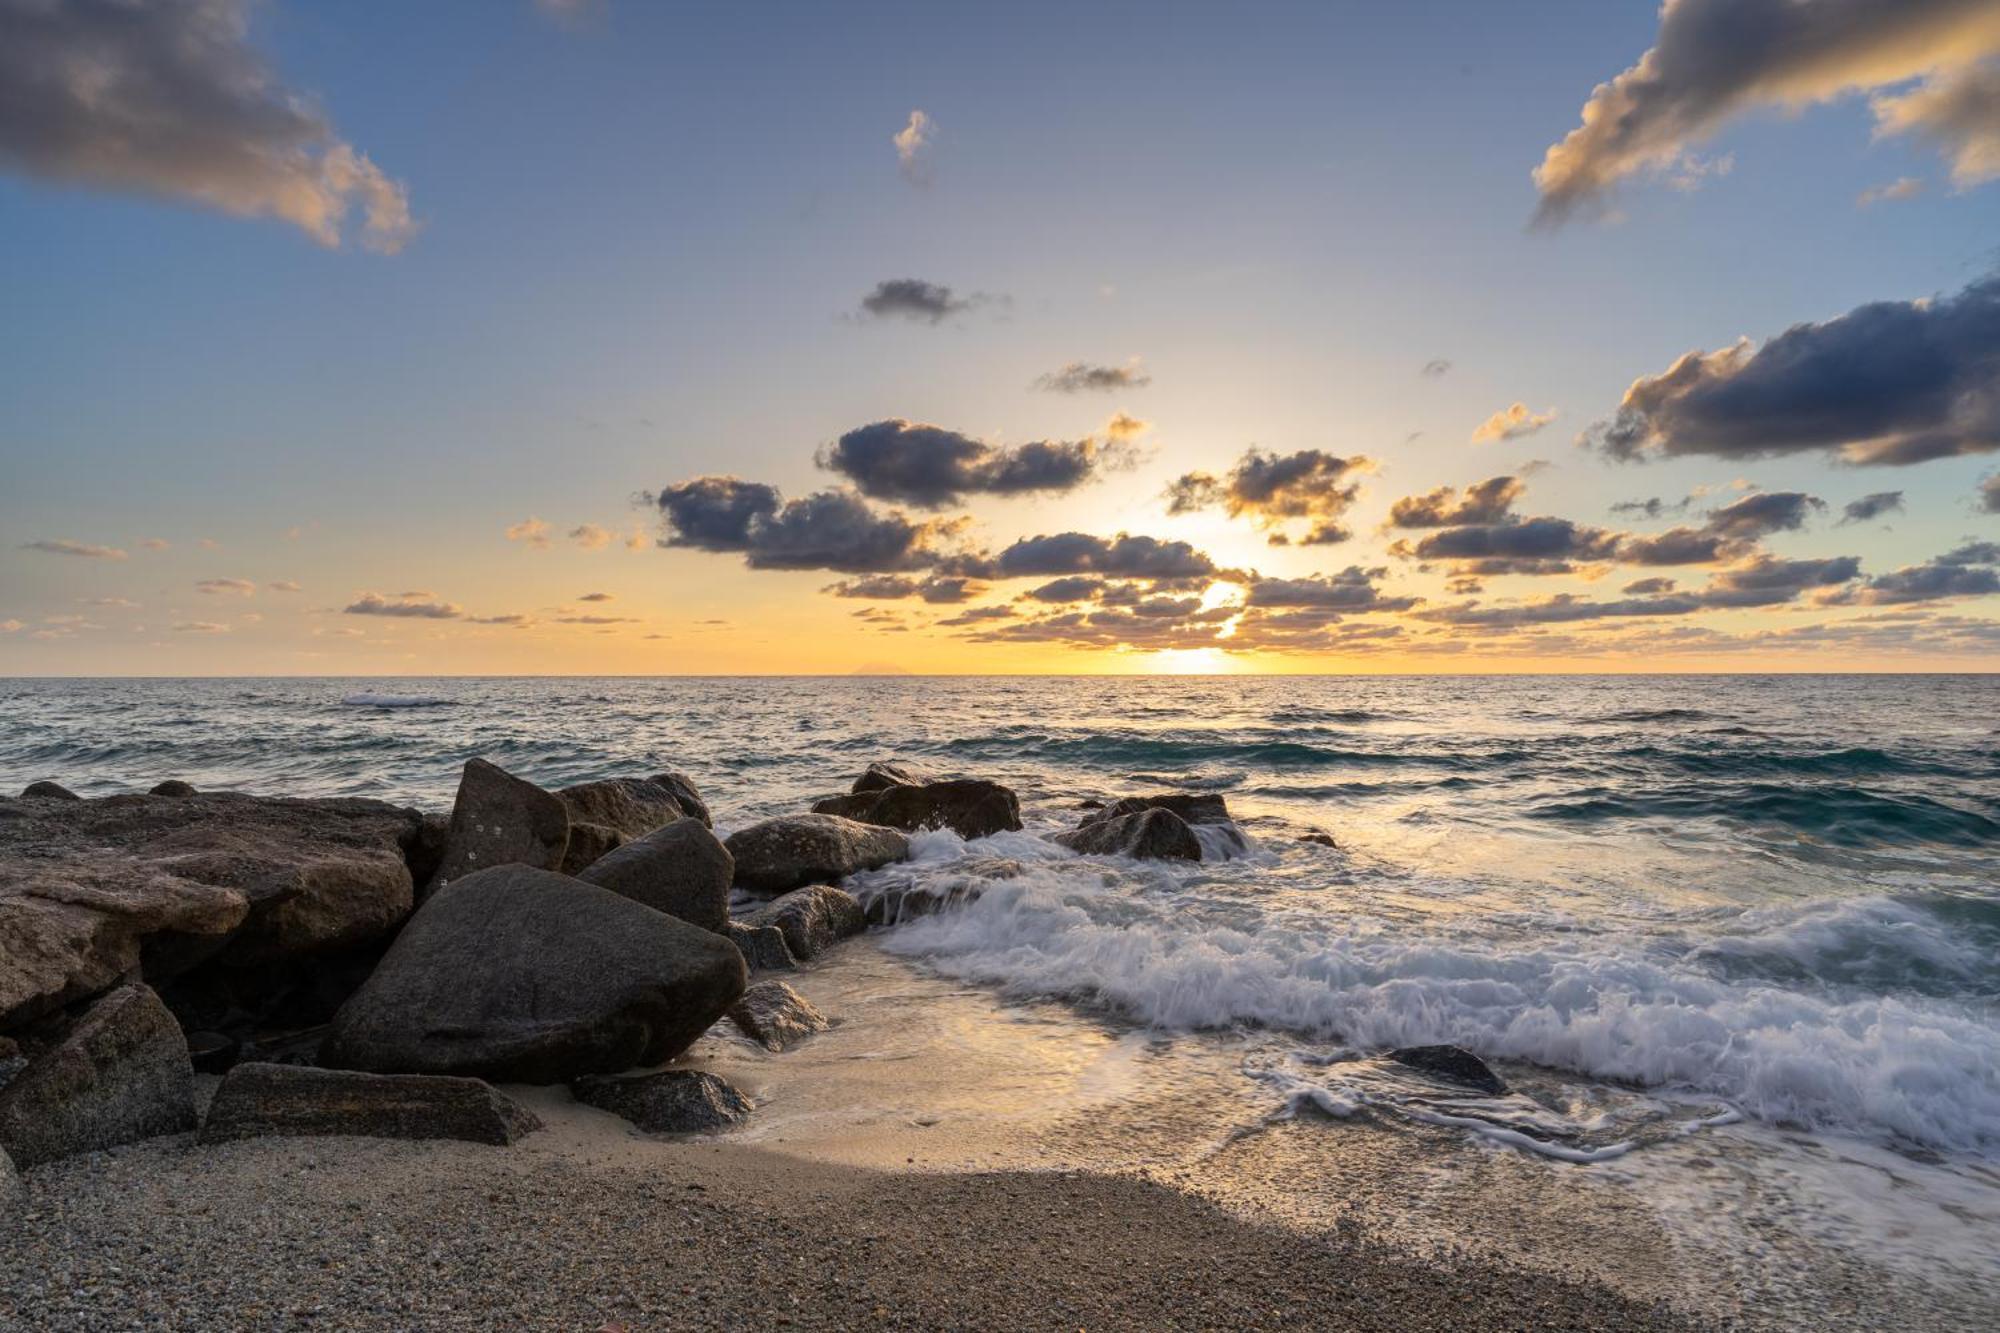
[
  {"x": 1729, "y": 533},
  {"x": 1351, "y": 590},
  {"x": 596, "y": 597},
  {"x": 1895, "y": 382},
  {"x": 169, "y": 99},
  {"x": 833, "y": 530},
  {"x": 1769, "y": 581},
  {"x": 1436, "y": 368},
  {"x": 1272, "y": 488},
  {"x": 1526, "y": 545},
  {"x": 1764, "y": 513},
  {"x": 913, "y": 298},
  {"x": 932, "y": 467},
  {"x": 1080, "y": 377},
  {"x": 886, "y": 587},
  {"x": 1652, "y": 507},
  {"x": 1870, "y": 507},
  {"x": 1123, "y": 556},
  {"x": 1562, "y": 608},
  {"x": 979, "y": 615},
  {"x": 1973, "y": 570},
  {"x": 1647, "y": 587},
  {"x": 412, "y": 605},
  {"x": 1489, "y": 501},
  {"x": 715, "y": 513},
  {"x": 1077, "y": 588},
  {"x": 1677, "y": 546},
  {"x": 1989, "y": 494}
]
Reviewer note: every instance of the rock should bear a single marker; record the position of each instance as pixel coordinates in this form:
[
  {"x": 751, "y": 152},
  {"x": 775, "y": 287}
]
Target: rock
[
  {"x": 91, "y": 891},
  {"x": 792, "y": 851},
  {"x": 1454, "y": 1064},
  {"x": 48, "y": 791},
  {"x": 1319, "y": 839},
  {"x": 681, "y": 787},
  {"x": 608, "y": 814},
  {"x": 680, "y": 869},
  {"x": 777, "y": 1017},
  {"x": 587, "y": 845},
  {"x": 855, "y": 806},
  {"x": 212, "y": 1052},
  {"x": 1205, "y": 812},
  {"x": 173, "y": 787},
  {"x": 969, "y": 807},
  {"x": 1149, "y": 834},
  {"x": 12, "y": 1191},
  {"x": 882, "y": 775},
  {"x": 763, "y": 947},
  {"x": 521, "y": 975},
  {"x": 939, "y": 890},
  {"x": 499, "y": 819},
  {"x": 425, "y": 851},
  {"x": 117, "y": 1073},
  {"x": 256, "y": 1100},
  {"x": 672, "y": 1101},
  {"x": 812, "y": 920}
]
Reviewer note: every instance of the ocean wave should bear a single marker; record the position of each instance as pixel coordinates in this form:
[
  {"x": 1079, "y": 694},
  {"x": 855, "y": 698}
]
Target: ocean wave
[
  {"x": 1845, "y": 816},
  {"x": 373, "y": 699}
]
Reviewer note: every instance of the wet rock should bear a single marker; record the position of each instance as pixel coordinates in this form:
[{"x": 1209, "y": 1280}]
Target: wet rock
[
  {"x": 969, "y": 807},
  {"x": 792, "y": 851},
  {"x": 1205, "y": 812},
  {"x": 855, "y": 806},
  {"x": 499, "y": 819},
  {"x": 883, "y": 774},
  {"x": 812, "y": 920},
  {"x": 521, "y": 975},
  {"x": 672, "y": 1101},
  {"x": 937, "y": 891},
  {"x": 116, "y": 1073},
  {"x": 763, "y": 947},
  {"x": 1319, "y": 839},
  {"x": 1454, "y": 1064},
  {"x": 777, "y": 1017},
  {"x": 258, "y": 1100},
  {"x": 681, "y": 869},
  {"x": 173, "y": 787},
  {"x": 48, "y": 791},
  {"x": 1152, "y": 834}
]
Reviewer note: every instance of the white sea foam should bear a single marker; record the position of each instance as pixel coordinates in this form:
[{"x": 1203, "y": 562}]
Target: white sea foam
[{"x": 372, "y": 699}]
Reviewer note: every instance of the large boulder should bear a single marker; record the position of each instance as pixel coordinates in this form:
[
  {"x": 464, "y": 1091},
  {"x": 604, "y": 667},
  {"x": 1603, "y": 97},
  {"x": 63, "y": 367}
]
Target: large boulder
[
  {"x": 763, "y": 947},
  {"x": 607, "y": 814},
  {"x": 525, "y": 976},
  {"x": 1144, "y": 834},
  {"x": 777, "y": 1017},
  {"x": 884, "y": 774},
  {"x": 681, "y": 869},
  {"x": 48, "y": 791},
  {"x": 812, "y": 920},
  {"x": 792, "y": 851},
  {"x": 941, "y": 890},
  {"x": 116, "y": 1073},
  {"x": 671, "y": 1101},
  {"x": 681, "y": 787},
  {"x": 1205, "y": 812},
  {"x": 499, "y": 819},
  {"x": 92, "y": 890},
  {"x": 969, "y": 807},
  {"x": 257, "y": 1100},
  {"x": 854, "y": 805}
]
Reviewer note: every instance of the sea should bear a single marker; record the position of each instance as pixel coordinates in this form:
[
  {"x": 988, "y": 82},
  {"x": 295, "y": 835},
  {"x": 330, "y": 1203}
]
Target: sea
[{"x": 1674, "y": 908}]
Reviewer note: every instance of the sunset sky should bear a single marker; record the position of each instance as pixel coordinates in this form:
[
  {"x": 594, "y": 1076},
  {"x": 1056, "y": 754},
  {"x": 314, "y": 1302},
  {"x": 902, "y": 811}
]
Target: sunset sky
[{"x": 642, "y": 338}]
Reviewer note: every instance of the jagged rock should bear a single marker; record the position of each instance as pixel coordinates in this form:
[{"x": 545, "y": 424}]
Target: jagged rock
[
  {"x": 173, "y": 787},
  {"x": 116, "y": 1073},
  {"x": 883, "y": 774},
  {"x": 1454, "y": 1064},
  {"x": 499, "y": 819},
  {"x": 812, "y": 920},
  {"x": 522, "y": 975},
  {"x": 672, "y": 1101},
  {"x": 48, "y": 791},
  {"x": 777, "y": 1017},
  {"x": 607, "y": 814},
  {"x": 763, "y": 947},
  {"x": 680, "y": 869},
  {"x": 792, "y": 851},
  {"x": 257, "y": 1100},
  {"x": 1148, "y": 834},
  {"x": 425, "y": 851},
  {"x": 92, "y": 890}
]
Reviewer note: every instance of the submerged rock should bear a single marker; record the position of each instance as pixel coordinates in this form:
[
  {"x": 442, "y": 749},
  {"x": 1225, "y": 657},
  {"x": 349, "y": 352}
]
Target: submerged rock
[
  {"x": 48, "y": 791},
  {"x": 960, "y": 883},
  {"x": 522, "y": 975},
  {"x": 1454, "y": 1064},
  {"x": 792, "y": 851},
  {"x": 116, "y": 1073},
  {"x": 256, "y": 1100},
  {"x": 499, "y": 819},
  {"x": 680, "y": 869},
  {"x": 1151, "y": 834},
  {"x": 763, "y": 947},
  {"x": 812, "y": 920},
  {"x": 1319, "y": 839},
  {"x": 883, "y": 774},
  {"x": 777, "y": 1017},
  {"x": 672, "y": 1101}
]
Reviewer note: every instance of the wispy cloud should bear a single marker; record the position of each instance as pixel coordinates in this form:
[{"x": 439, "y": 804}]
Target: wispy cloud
[
  {"x": 62, "y": 546},
  {"x": 408, "y": 605},
  {"x": 1083, "y": 377},
  {"x": 1511, "y": 423},
  {"x": 232, "y": 587},
  {"x": 913, "y": 144},
  {"x": 531, "y": 532}
]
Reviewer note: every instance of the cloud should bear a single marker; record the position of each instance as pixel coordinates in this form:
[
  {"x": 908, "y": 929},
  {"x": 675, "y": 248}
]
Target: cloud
[
  {"x": 912, "y": 143},
  {"x": 1075, "y": 588},
  {"x": 85, "y": 549},
  {"x": 1989, "y": 494},
  {"x": 412, "y": 605},
  {"x": 1767, "y": 580},
  {"x": 200, "y": 627},
  {"x": 11, "y": 626},
  {"x": 596, "y": 597},
  {"x": 237, "y": 587},
  {"x": 1764, "y": 513},
  {"x": 531, "y": 530},
  {"x": 1272, "y": 488},
  {"x": 1489, "y": 501},
  {"x": 1646, "y": 587},
  {"x": 1870, "y": 507},
  {"x": 155, "y": 544},
  {"x": 1511, "y": 423},
  {"x": 1351, "y": 590},
  {"x": 1080, "y": 377},
  {"x": 1123, "y": 428},
  {"x": 283, "y": 585},
  {"x": 715, "y": 513},
  {"x": 932, "y": 467},
  {"x": 1903, "y": 187},
  {"x": 1435, "y": 369},
  {"x": 591, "y": 537},
  {"x": 833, "y": 530},
  {"x": 938, "y": 590},
  {"x": 170, "y": 99},
  {"x": 1544, "y": 545},
  {"x": 1973, "y": 570},
  {"x": 1123, "y": 556},
  {"x": 512, "y": 620},
  {"x": 1958, "y": 113},
  {"x": 1891, "y": 383},
  {"x": 1715, "y": 59},
  {"x": 913, "y": 298}
]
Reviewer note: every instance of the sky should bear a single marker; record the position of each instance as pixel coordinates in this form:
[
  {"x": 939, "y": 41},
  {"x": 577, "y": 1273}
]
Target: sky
[{"x": 620, "y": 337}]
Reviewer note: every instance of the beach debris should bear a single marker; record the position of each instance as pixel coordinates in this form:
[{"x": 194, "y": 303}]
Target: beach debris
[
  {"x": 681, "y": 869},
  {"x": 48, "y": 791},
  {"x": 669, "y": 1101},
  {"x": 256, "y": 1100},
  {"x": 115, "y": 1073},
  {"x": 763, "y": 947},
  {"x": 1454, "y": 1064},
  {"x": 522, "y": 975},
  {"x": 777, "y": 1017},
  {"x": 792, "y": 851},
  {"x": 1155, "y": 834},
  {"x": 498, "y": 819},
  {"x": 969, "y": 807},
  {"x": 812, "y": 920}
]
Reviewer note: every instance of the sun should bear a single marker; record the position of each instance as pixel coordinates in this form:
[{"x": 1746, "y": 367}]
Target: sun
[{"x": 1189, "y": 662}]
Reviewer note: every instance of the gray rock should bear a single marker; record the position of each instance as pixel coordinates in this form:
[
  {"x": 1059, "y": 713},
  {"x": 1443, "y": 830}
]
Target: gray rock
[
  {"x": 173, "y": 787},
  {"x": 812, "y": 920},
  {"x": 588, "y": 844},
  {"x": 425, "y": 851},
  {"x": 12, "y": 1191},
  {"x": 855, "y": 806},
  {"x": 969, "y": 807},
  {"x": 48, "y": 791},
  {"x": 777, "y": 1017},
  {"x": 681, "y": 869},
  {"x": 499, "y": 819},
  {"x": 522, "y": 975},
  {"x": 1147, "y": 834},
  {"x": 671, "y": 1101},
  {"x": 117, "y": 1073},
  {"x": 1194, "y": 807},
  {"x": 610, "y": 813},
  {"x": 963, "y": 882},
  {"x": 1454, "y": 1064},
  {"x": 883, "y": 774},
  {"x": 256, "y": 1100},
  {"x": 763, "y": 947},
  {"x": 792, "y": 851},
  {"x": 681, "y": 787}
]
